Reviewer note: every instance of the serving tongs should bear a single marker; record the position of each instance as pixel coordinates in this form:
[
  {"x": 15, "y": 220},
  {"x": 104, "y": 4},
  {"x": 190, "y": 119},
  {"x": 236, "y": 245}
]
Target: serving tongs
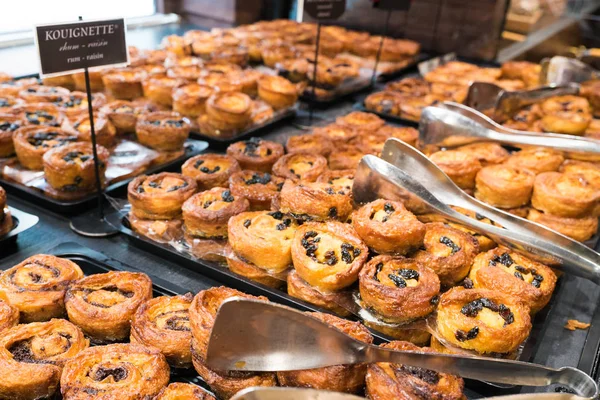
[
  {"x": 560, "y": 70},
  {"x": 251, "y": 335},
  {"x": 404, "y": 173}
]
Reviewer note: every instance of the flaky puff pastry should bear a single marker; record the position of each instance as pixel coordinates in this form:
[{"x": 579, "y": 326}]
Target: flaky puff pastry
[
  {"x": 388, "y": 227},
  {"x": 37, "y": 286},
  {"x": 402, "y": 382},
  {"x": 397, "y": 289},
  {"x": 210, "y": 170},
  {"x": 41, "y": 94},
  {"x": 32, "y": 357},
  {"x": 183, "y": 391},
  {"x": 277, "y": 91},
  {"x": 71, "y": 167},
  {"x": 75, "y": 103},
  {"x": 46, "y": 114},
  {"x": 300, "y": 166},
  {"x": 449, "y": 252},
  {"x": 259, "y": 188},
  {"x": 314, "y": 144},
  {"x": 9, "y": 315},
  {"x": 206, "y": 214},
  {"x": 318, "y": 201},
  {"x": 102, "y": 305},
  {"x": 328, "y": 255},
  {"x": 254, "y": 273},
  {"x": 160, "y": 196},
  {"x": 536, "y": 160},
  {"x": 508, "y": 272},
  {"x": 340, "y": 303},
  {"x": 124, "y": 84},
  {"x": 483, "y": 321},
  {"x": 340, "y": 180},
  {"x": 164, "y": 131},
  {"x": 360, "y": 121},
  {"x": 564, "y": 195},
  {"x": 461, "y": 167},
  {"x": 338, "y": 378},
  {"x": 123, "y": 371},
  {"x": 163, "y": 323},
  {"x": 256, "y": 154},
  {"x": 82, "y": 128},
  {"x": 486, "y": 153},
  {"x": 566, "y": 114},
  {"x": 347, "y": 157},
  {"x": 580, "y": 229},
  {"x": 190, "y": 100},
  {"x": 504, "y": 186},
  {"x": 263, "y": 238},
  {"x": 9, "y": 124},
  {"x": 229, "y": 110},
  {"x": 159, "y": 88}
]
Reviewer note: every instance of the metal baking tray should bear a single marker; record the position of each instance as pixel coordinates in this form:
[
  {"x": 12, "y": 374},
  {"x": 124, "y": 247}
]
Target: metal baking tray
[
  {"x": 22, "y": 221},
  {"x": 192, "y": 148}
]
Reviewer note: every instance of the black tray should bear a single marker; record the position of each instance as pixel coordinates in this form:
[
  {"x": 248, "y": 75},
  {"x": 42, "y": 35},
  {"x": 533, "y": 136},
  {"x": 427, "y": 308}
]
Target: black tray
[
  {"x": 360, "y": 106},
  {"x": 192, "y": 148},
  {"x": 22, "y": 221},
  {"x": 384, "y": 77}
]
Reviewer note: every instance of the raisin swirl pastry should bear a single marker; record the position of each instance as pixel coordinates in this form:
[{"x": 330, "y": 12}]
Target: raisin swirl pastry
[
  {"x": 483, "y": 321},
  {"x": 37, "y": 286},
  {"x": 580, "y": 229},
  {"x": 102, "y": 305},
  {"x": 43, "y": 94},
  {"x": 261, "y": 189},
  {"x": 300, "y": 167},
  {"x": 360, "y": 121},
  {"x": 403, "y": 382},
  {"x": 46, "y": 114},
  {"x": 449, "y": 252},
  {"x": 75, "y": 103},
  {"x": 210, "y": 170},
  {"x": 163, "y": 323},
  {"x": 124, "y": 84},
  {"x": 13, "y": 87},
  {"x": 318, "y": 201},
  {"x": 337, "y": 378},
  {"x": 9, "y": 315},
  {"x": 388, "y": 227},
  {"x": 314, "y": 144},
  {"x": 186, "y": 391},
  {"x": 341, "y": 179},
  {"x": 123, "y": 115},
  {"x": 206, "y": 214},
  {"x": 123, "y": 371},
  {"x": 536, "y": 160},
  {"x": 70, "y": 168},
  {"x": 566, "y": 114},
  {"x": 564, "y": 195},
  {"x": 278, "y": 92},
  {"x": 328, "y": 255},
  {"x": 9, "y": 124},
  {"x": 256, "y": 154},
  {"x": 459, "y": 166},
  {"x": 161, "y": 130},
  {"x": 203, "y": 311},
  {"x": 7, "y": 103},
  {"x": 190, "y": 100},
  {"x": 504, "y": 186},
  {"x": 32, "y": 357},
  {"x": 160, "y": 196},
  {"x": 504, "y": 271},
  {"x": 82, "y": 128},
  {"x": 32, "y": 142}
]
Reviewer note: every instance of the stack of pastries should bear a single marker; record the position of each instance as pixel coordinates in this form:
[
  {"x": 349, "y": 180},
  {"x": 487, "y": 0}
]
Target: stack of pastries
[{"x": 6, "y": 221}]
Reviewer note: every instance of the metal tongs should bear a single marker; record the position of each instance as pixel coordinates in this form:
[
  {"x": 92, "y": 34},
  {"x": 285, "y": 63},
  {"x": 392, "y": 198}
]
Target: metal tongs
[
  {"x": 251, "y": 335},
  {"x": 560, "y": 70}
]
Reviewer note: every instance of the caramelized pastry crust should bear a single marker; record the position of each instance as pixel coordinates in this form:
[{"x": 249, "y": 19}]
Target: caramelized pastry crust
[
  {"x": 536, "y": 160},
  {"x": 229, "y": 110},
  {"x": 580, "y": 229},
  {"x": 46, "y": 114},
  {"x": 259, "y": 188},
  {"x": 304, "y": 167},
  {"x": 71, "y": 167},
  {"x": 124, "y": 84},
  {"x": 336, "y": 133},
  {"x": 504, "y": 186},
  {"x": 340, "y": 180},
  {"x": 254, "y": 273},
  {"x": 461, "y": 167},
  {"x": 32, "y": 142},
  {"x": 123, "y": 115},
  {"x": 256, "y": 154},
  {"x": 315, "y": 201},
  {"x": 82, "y": 128},
  {"x": 487, "y": 153},
  {"x": 186, "y": 391},
  {"x": 566, "y": 114},
  {"x": 314, "y": 144},
  {"x": 102, "y": 305},
  {"x": 360, "y": 121},
  {"x": 210, "y": 170},
  {"x": 564, "y": 195},
  {"x": 190, "y": 100},
  {"x": 163, "y": 323},
  {"x": 75, "y": 104},
  {"x": 347, "y": 157},
  {"x": 9, "y": 315},
  {"x": 160, "y": 196},
  {"x": 337, "y": 302},
  {"x": 165, "y": 131},
  {"x": 37, "y": 286},
  {"x": 159, "y": 88},
  {"x": 278, "y": 92}
]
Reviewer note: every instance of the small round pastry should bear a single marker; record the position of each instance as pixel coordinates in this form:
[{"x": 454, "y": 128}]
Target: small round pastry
[
  {"x": 263, "y": 238},
  {"x": 336, "y": 133},
  {"x": 162, "y": 130},
  {"x": 449, "y": 252},
  {"x": 75, "y": 103},
  {"x": 32, "y": 357},
  {"x": 163, "y": 323},
  {"x": 210, "y": 170},
  {"x": 304, "y": 167},
  {"x": 402, "y": 382},
  {"x": 504, "y": 271},
  {"x": 71, "y": 167},
  {"x": 407, "y": 134},
  {"x": 580, "y": 229},
  {"x": 32, "y": 142},
  {"x": 82, "y": 128},
  {"x": 206, "y": 213},
  {"x": 160, "y": 196},
  {"x": 123, "y": 371},
  {"x": 46, "y": 114},
  {"x": 536, "y": 160},
  {"x": 340, "y": 303},
  {"x": 124, "y": 84},
  {"x": 340, "y": 180},
  {"x": 338, "y": 378},
  {"x": 388, "y": 227},
  {"x": 314, "y": 144},
  {"x": 102, "y": 305},
  {"x": 190, "y": 100},
  {"x": 484, "y": 321},
  {"x": 7, "y": 103},
  {"x": 459, "y": 166},
  {"x": 346, "y": 157},
  {"x": 315, "y": 201},
  {"x": 385, "y": 102},
  {"x": 328, "y": 255},
  {"x": 566, "y": 114},
  {"x": 361, "y": 121},
  {"x": 9, "y": 123},
  {"x": 590, "y": 171},
  {"x": 278, "y": 92},
  {"x": 275, "y": 53},
  {"x": 526, "y": 71},
  {"x": 256, "y": 154},
  {"x": 564, "y": 195},
  {"x": 43, "y": 94},
  {"x": 36, "y": 286},
  {"x": 123, "y": 115},
  {"x": 159, "y": 88},
  {"x": 487, "y": 153},
  {"x": 259, "y": 188},
  {"x": 504, "y": 186},
  {"x": 229, "y": 110},
  {"x": 398, "y": 290},
  {"x": 183, "y": 391},
  {"x": 248, "y": 78}
]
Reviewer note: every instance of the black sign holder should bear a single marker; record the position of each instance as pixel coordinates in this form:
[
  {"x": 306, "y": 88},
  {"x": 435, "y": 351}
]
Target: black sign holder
[{"x": 379, "y": 50}]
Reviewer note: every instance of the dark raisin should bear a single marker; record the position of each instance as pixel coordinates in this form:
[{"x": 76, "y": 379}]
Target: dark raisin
[
  {"x": 330, "y": 258},
  {"x": 388, "y": 208},
  {"x": 479, "y": 216},
  {"x": 426, "y": 375},
  {"x": 378, "y": 269},
  {"x": 435, "y": 300},
  {"x": 519, "y": 275},
  {"x": 448, "y": 242},
  {"x": 198, "y": 163},
  {"x": 227, "y": 197},
  {"x": 467, "y": 283},
  {"x": 247, "y": 223},
  {"x": 398, "y": 281},
  {"x": 333, "y": 212},
  {"x": 537, "y": 280},
  {"x": 278, "y": 215},
  {"x": 462, "y": 336}
]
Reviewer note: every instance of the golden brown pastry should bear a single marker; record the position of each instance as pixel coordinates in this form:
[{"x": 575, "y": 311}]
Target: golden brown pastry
[
  {"x": 123, "y": 115},
  {"x": 385, "y": 102},
  {"x": 487, "y": 153},
  {"x": 526, "y": 71},
  {"x": 210, "y": 170},
  {"x": 315, "y": 201},
  {"x": 361, "y": 121},
  {"x": 461, "y": 167},
  {"x": 347, "y": 157},
  {"x": 71, "y": 167},
  {"x": 102, "y": 305},
  {"x": 190, "y": 100},
  {"x": 46, "y": 114},
  {"x": 32, "y": 357},
  {"x": 32, "y": 142},
  {"x": 123, "y": 371},
  {"x": 65, "y": 81},
  {"x": 159, "y": 88},
  {"x": 261, "y": 189},
  {"x": 96, "y": 84},
  {"x": 483, "y": 321},
  {"x": 407, "y": 134},
  {"x": 256, "y": 154},
  {"x": 229, "y": 110},
  {"x": 163, "y": 323},
  {"x": 81, "y": 127},
  {"x": 37, "y": 286},
  {"x": 336, "y": 133},
  {"x": 183, "y": 391},
  {"x": 160, "y": 196},
  {"x": 124, "y": 84},
  {"x": 9, "y": 124},
  {"x": 9, "y": 315},
  {"x": 536, "y": 160},
  {"x": 564, "y": 195},
  {"x": 75, "y": 104},
  {"x": 13, "y": 87},
  {"x": 338, "y": 378},
  {"x": 248, "y": 78},
  {"x": 566, "y": 114},
  {"x": 304, "y": 167},
  {"x": 43, "y": 94},
  {"x": 504, "y": 186},
  {"x": 278, "y": 92},
  {"x": 315, "y": 144},
  {"x": 7, "y": 103},
  {"x": 341, "y": 179},
  {"x": 340, "y": 303},
  {"x": 580, "y": 229},
  {"x": 165, "y": 131}
]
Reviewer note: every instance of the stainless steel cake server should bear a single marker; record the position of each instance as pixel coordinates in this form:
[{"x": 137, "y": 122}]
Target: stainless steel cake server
[{"x": 251, "y": 335}]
